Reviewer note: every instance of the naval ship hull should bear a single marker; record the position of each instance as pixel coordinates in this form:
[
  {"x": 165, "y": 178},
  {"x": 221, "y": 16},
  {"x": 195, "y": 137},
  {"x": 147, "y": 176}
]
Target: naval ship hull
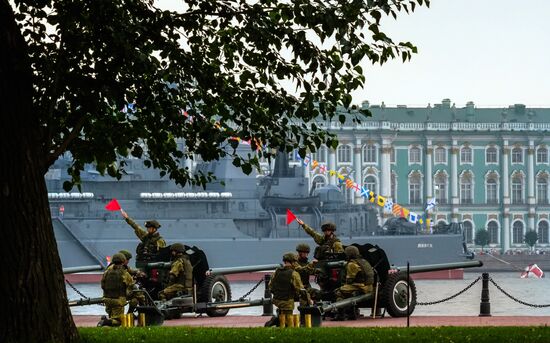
[{"x": 89, "y": 242}]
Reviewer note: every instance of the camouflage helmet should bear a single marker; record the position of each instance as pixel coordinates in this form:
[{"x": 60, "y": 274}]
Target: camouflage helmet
[
  {"x": 328, "y": 226},
  {"x": 352, "y": 252},
  {"x": 302, "y": 247},
  {"x": 118, "y": 258},
  {"x": 290, "y": 257},
  {"x": 177, "y": 247},
  {"x": 152, "y": 223},
  {"x": 126, "y": 254}
]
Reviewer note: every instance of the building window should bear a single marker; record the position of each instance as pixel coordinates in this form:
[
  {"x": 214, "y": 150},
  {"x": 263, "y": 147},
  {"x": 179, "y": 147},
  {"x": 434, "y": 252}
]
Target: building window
[
  {"x": 369, "y": 153},
  {"x": 466, "y": 189},
  {"x": 392, "y": 155},
  {"x": 317, "y": 182},
  {"x": 441, "y": 188},
  {"x": 517, "y": 155},
  {"x": 517, "y": 232},
  {"x": 542, "y": 190},
  {"x": 394, "y": 187},
  {"x": 468, "y": 231},
  {"x": 344, "y": 154},
  {"x": 492, "y": 227},
  {"x": 466, "y": 155},
  {"x": 491, "y": 191},
  {"x": 517, "y": 189},
  {"x": 414, "y": 155},
  {"x": 491, "y": 155},
  {"x": 542, "y": 155},
  {"x": 370, "y": 183},
  {"x": 440, "y": 155},
  {"x": 415, "y": 189},
  {"x": 320, "y": 155},
  {"x": 542, "y": 232}
]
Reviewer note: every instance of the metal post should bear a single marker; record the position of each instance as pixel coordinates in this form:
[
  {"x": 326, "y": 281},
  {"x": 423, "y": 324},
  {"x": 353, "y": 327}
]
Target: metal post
[
  {"x": 268, "y": 307},
  {"x": 485, "y": 305}
]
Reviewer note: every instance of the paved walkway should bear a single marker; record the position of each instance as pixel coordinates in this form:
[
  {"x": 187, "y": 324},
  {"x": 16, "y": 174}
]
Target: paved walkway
[{"x": 258, "y": 321}]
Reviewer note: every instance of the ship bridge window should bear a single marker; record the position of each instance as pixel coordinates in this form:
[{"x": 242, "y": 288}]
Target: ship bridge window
[{"x": 242, "y": 206}]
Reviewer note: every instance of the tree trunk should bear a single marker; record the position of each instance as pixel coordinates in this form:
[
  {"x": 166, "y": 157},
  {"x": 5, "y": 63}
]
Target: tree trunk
[{"x": 33, "y": 300}]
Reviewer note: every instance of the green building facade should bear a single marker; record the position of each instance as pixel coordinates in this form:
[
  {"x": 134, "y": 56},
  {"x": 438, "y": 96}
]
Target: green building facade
[{"x": 487, "y": 167}]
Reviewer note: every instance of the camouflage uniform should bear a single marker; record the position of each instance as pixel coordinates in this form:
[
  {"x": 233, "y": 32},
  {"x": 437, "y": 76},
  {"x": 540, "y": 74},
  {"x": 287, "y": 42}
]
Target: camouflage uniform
[
  {"x": 333, "y": 245},
  {"x": 134, "y": 297},
  {"x": 150, "y": 243},
  {"x": 359, "y": 276},
  {"x": 286, "y": 285},
  {"x": 181, "y": 279},
  {"x": 116, "y": 284},
  {"x": 305, "y": 268}
]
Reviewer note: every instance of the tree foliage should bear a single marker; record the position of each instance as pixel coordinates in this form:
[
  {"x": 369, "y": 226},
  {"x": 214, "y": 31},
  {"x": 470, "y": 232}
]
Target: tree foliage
[
  {"x": 482, "y": 237},
  {"x": 531, "y": 238},
  {"x": 223, "y": 62}
]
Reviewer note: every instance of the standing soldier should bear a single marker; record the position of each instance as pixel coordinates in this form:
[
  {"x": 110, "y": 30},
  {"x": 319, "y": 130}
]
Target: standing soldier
[
  {"x": 151, "y": 241},
  {"x": 328, "y": 242},
  {"x": 181, "y": 274},
  {"x": 116, "y": 284},
  {"x": 285, "y": 285},
  {"x": 305, "y": 269},
  {"x": 359, "y": 277}
]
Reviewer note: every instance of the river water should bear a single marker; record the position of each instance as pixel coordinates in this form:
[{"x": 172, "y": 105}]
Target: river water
[{"x": 530, "y": 290}]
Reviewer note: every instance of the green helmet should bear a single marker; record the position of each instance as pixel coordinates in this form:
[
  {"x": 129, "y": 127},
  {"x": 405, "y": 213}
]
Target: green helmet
[
  {"x": 177, "y": 247},
  {"x": 118, "y": 258},
  {"x": 302, "y": 247},
  {"x": 328, "y": 226},
  {"x": 126, "y": 254},
  {"x": 352, "y": 252},
  {"x": 290, "y": 257},
  {"x": 152, "y": 223}
]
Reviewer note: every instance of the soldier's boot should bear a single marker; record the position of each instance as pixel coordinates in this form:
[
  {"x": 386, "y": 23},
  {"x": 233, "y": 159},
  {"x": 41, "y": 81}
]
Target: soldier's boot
[
  {"x": 131, "y": 309},
  {"x": 104, "y": 321},
  {"x": 273, "y": 321}
]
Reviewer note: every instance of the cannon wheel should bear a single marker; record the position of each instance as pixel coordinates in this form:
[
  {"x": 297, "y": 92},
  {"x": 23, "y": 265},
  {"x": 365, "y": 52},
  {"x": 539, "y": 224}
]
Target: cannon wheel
[
  {"x": 394, "y": 295},
  {"x": 215, "y": 289}
]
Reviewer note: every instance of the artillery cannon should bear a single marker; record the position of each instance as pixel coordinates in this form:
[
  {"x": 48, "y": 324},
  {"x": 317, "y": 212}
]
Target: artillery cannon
[{"x": 394, "y": 285}]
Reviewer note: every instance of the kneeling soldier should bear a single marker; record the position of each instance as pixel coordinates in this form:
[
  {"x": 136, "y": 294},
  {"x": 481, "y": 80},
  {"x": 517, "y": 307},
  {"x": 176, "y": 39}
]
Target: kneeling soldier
[
  {"x": 359, "y": 277},
  {"x": 135, "y": 297},
  {"x": 285, "y": 285},
  {"x": 116, "y": 284},
  {"x": 181, "y": 274}
]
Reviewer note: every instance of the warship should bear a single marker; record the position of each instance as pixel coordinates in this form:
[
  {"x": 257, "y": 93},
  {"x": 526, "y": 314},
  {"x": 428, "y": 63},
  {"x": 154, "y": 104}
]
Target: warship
[{"x": 237, "y": 220}]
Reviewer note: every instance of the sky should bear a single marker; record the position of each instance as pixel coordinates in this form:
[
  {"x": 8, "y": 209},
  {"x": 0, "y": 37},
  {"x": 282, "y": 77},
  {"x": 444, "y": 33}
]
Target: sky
[{"x": 492, "y": 52}]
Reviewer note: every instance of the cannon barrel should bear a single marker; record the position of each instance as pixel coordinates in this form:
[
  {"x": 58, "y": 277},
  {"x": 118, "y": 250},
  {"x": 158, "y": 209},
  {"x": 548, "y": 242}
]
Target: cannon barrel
[
  {"x": 328, "y": 307},
  {"x": 440, "y": 266},
  {"x": 158, "y": 265},
  {"x": 81, "y": 269},
  {"x": 86, "y": 301},
  {"x": 244, "y": 269},
  {"x": 203, "y": 307}
]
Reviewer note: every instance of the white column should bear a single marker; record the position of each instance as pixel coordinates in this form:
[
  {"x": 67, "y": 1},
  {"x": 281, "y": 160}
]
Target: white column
[
  {"x": 531, "y": 185},
  {"x": 505, "y": 197},
  {"x": 332, "y": 166},
  {"x": 385, "y": 165},
  {"x": 357, "y": 165},
  {"x": 454, "y": 182},
  {"x": 429, "y": 172}
]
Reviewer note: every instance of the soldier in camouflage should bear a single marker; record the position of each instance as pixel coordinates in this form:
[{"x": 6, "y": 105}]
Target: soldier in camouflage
[
  {"x": 328, "y": 242},
  {"x": 135, "y": 297},
  {"x": 116, "y": 284},
  {"x": 359, "y": 278},
  {"x": 306, "y": 268},
  {"x": 151, "y": 240},
  {"x": 181, "y": 274},
  {"x": 286, "y": 285}
]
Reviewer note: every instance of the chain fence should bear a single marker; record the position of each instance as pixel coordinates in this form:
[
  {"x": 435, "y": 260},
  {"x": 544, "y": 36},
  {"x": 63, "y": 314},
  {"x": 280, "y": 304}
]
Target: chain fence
[
  {"x": 75, "y": 289},
  {"x": 450, "y": 297},
  {"x": 251, "y": 290},
  {"x": 514, "y": 298}
]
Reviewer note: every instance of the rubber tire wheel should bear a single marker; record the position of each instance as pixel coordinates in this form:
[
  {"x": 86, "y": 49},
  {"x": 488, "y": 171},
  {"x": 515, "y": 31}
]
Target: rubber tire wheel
[
  {"x": 394, "y": 295},
  {"x": 213, "y": 283}
]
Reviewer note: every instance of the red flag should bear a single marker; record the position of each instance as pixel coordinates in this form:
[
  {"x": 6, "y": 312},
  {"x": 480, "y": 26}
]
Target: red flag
[
  {"x": 290, "y": 217},
  {"x": 113, "y": 205}
]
